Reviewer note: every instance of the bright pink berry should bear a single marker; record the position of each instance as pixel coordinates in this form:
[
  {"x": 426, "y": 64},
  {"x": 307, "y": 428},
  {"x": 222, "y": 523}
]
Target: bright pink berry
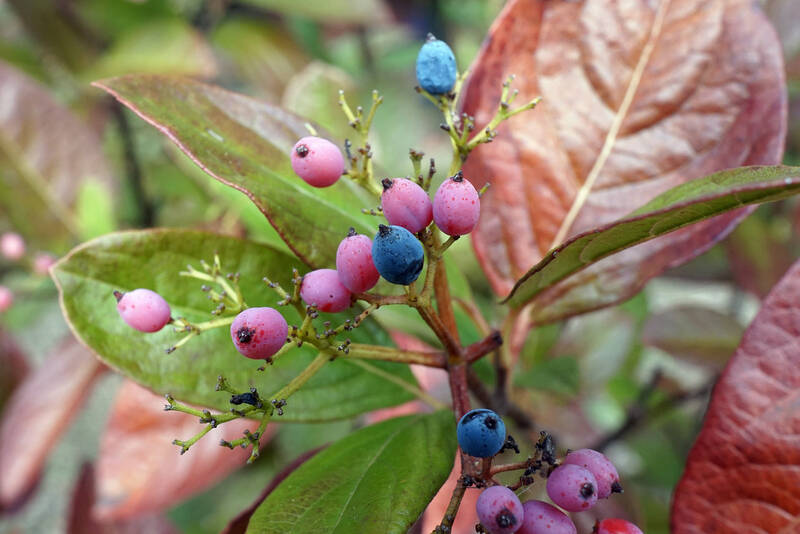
[
  {"x": 616, "y": 526},
  {"x": 354, "y": 263},
  {"x": 405, "y": 203},
  {"x": 143, "y": 310},
  {"x": 259, "y": 333},
  {"x": 42, "y": 263},
  {"x": 456, "y": 206},
  {"x": 6, "y": 298},
  {"x": 499, "y": 510},
  {"x": 572, "y": 487},
  {"x": 12, "y": 246},
  {"x": 601, "y": 467},
  {"x": 317, "y": 161},
  {"x": 544, "y": 518},
  {"x": 322, "y": 288}
]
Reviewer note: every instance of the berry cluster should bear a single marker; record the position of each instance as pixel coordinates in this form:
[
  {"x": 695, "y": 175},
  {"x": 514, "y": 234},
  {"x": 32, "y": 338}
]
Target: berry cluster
[{"x": 574, "y": 484}]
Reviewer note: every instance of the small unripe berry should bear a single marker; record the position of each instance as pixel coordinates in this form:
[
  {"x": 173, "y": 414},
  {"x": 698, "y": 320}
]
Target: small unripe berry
[
  {"x": 499, "y": 510},
  {"x": 456, "y": 206},
  {"x": 572, "y": 487},
  {"x": 436, "y": 66},
  {"x": 317, "y": 161},
  {"x": 42, "y": 263},
  {"x": 616, "y": 526},
  {"x": 397, "y": 254},
  {"x": 12, "y": 246},
  {"x": 601, "y": 467},
  {"x": 322, "y": 288},
  {"x": 544, "y": 518},
  {"x": 354, "y": 263},
  {"x": 259, "y": 333},
  {"x": 6, "y": 298},
  {"x": 143, "y": 310},
  {"x": 481, "y": 433},
  {"x": 405, "y": 203}
]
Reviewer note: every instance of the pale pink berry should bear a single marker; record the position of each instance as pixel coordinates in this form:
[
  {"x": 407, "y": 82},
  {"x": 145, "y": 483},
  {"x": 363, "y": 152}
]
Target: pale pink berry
[
  {"x": 616, "y": 526},
  {"x": 544, "y": 518},
  {"x": 259, "y": 333},
  {"x": 317, "y": 161},
  {"x": 456, "y": 206},
  {"x": 601, "y": 467},
  {"x": 499, "y": 510},
  {"x": 354, "y": 263},
  {"x": 42, "y": 263},
  {"x": 6, "y": 298},
  {"x": 12, "y": 246},
  {"x": 322, "y": 288},
  {"x": 572, "y": 487},
  {"x": 143, "y": 310},
  {"x": 405, "y": 203}
]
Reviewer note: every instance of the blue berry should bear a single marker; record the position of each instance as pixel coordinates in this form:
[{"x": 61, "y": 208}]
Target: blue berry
[
  {"x": 481, "y": 433},
  {"x": 397, "y": 254},
  {"x": 436, "y": 67}
]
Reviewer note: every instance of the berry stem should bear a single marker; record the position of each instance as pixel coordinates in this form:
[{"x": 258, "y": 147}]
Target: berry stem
[{"x": 445, "y": 526}]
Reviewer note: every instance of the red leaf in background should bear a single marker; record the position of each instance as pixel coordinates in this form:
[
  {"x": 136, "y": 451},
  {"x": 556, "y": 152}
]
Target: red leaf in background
[
  {"x": 638, "y": 97},
  {"x": 37, "y": 413},
  {"x": 13, "y": 366},
  {"x": 140, "y": 471},
  {"x": 743, "y": 472}
]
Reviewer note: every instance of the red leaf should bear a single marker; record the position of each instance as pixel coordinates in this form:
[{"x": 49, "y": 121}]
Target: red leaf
[
  {"x": 743, "y": 473},
  {"x": 139, "y": 469},
  {"x": 638, "y": 97},
  {"x": 42, "y": 406}
]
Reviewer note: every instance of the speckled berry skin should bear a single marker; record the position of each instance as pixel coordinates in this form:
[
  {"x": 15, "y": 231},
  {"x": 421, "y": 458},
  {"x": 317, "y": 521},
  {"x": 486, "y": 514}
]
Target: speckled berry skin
[
  {"x": 12, "y": 246},
  {"x": 481, "y": 433},
  {"x": 322, "y": 288},
  {"x": 405, "y": 203},
  {"x": 499, "y": 510},
  {"x": 259, "y": 333},
  {"x": 616, "y": 526},
  {"x": 143, "y": 310},
  {"x": 6, "y": 299},
  {"x": 397, "y": 254},
  {"x": 544, "y": 518},
  {"x": 456, "y": 206},
  {"x": 317, "y": 161},
  {"x": 600, "y": 466},
  {"x": 572, "y": 487},
  {"x": 354, "y": 263},
  {"x": 436, "y": 67}
]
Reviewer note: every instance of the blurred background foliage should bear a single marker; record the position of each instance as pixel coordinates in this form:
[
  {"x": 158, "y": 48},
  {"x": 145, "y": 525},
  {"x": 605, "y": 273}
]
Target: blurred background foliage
[{"x": 632, "y": 379}]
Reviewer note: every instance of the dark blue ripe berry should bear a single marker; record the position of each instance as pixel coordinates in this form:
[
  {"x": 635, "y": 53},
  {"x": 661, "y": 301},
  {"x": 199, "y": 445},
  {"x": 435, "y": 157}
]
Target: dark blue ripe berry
[
  {"x": 481, "y": 433},
  {"x": 397, "y": 254},
  {"x": 436, "y": 67}
]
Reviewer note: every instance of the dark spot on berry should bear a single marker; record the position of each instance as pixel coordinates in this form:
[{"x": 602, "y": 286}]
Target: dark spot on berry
[
  {"x": 118, "y": 295},
  {"x": 245, "y": 335},
  {"x": 505, "y": 518},
  {"x": 351, "y": 232},
  {"x": 302, "y": 150},
  {"x": 458, "y": 177},
  {"x": 384, "y": 230},
  {"x": 386, "y": 183},
  {"x": 616, "y": 487},
  {"x": 490, "y": 422},
  {"x": 587, "y": 490}
]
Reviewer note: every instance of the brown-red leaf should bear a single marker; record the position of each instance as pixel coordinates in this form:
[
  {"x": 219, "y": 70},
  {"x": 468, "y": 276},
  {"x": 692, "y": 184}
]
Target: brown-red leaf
[
  {"x": 638, "y": 97},
  {"x": 743, "y": 473}
]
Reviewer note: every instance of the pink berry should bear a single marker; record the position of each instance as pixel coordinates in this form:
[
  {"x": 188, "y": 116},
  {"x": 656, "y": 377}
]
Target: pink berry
[
  {"x": 499, "y": 510},
  {"x": 405, "y": 203},
  {"x": 601, "y": 467},
  {"x": 354, "y": 263},
  {"x": 12, "y": 246},
  {"x": 572, "y": 487},
  {"x": 317, "y": 161},
  {"x": 259, "y": 333},
  {"x": 322, "y": 288},
  {"x": 143, "y": 310},
  {"x": 42, "y": 263},
  {"x": 456, "y": 206},
  {"x": 616, "y": 526},
  {"x": 544, "y": 518},
  {"x": 6, "y": 298}
]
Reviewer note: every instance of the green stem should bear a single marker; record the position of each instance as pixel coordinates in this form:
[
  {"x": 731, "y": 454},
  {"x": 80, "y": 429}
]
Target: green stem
[{"x": 388, "y": 354}]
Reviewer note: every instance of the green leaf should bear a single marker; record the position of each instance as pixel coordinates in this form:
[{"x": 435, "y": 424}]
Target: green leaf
[
  {"x": 559, "y": 375},
  {"x": 245, "y": 144},
  {"x": 329, "y": 11},
  {"x": 314, "y": 92},
  {"x": 681, "y": 206},
  {"x": 377, "y": 480},
  {"x": 94, "y": 210},
  {"x": 152, "y": 259}
]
